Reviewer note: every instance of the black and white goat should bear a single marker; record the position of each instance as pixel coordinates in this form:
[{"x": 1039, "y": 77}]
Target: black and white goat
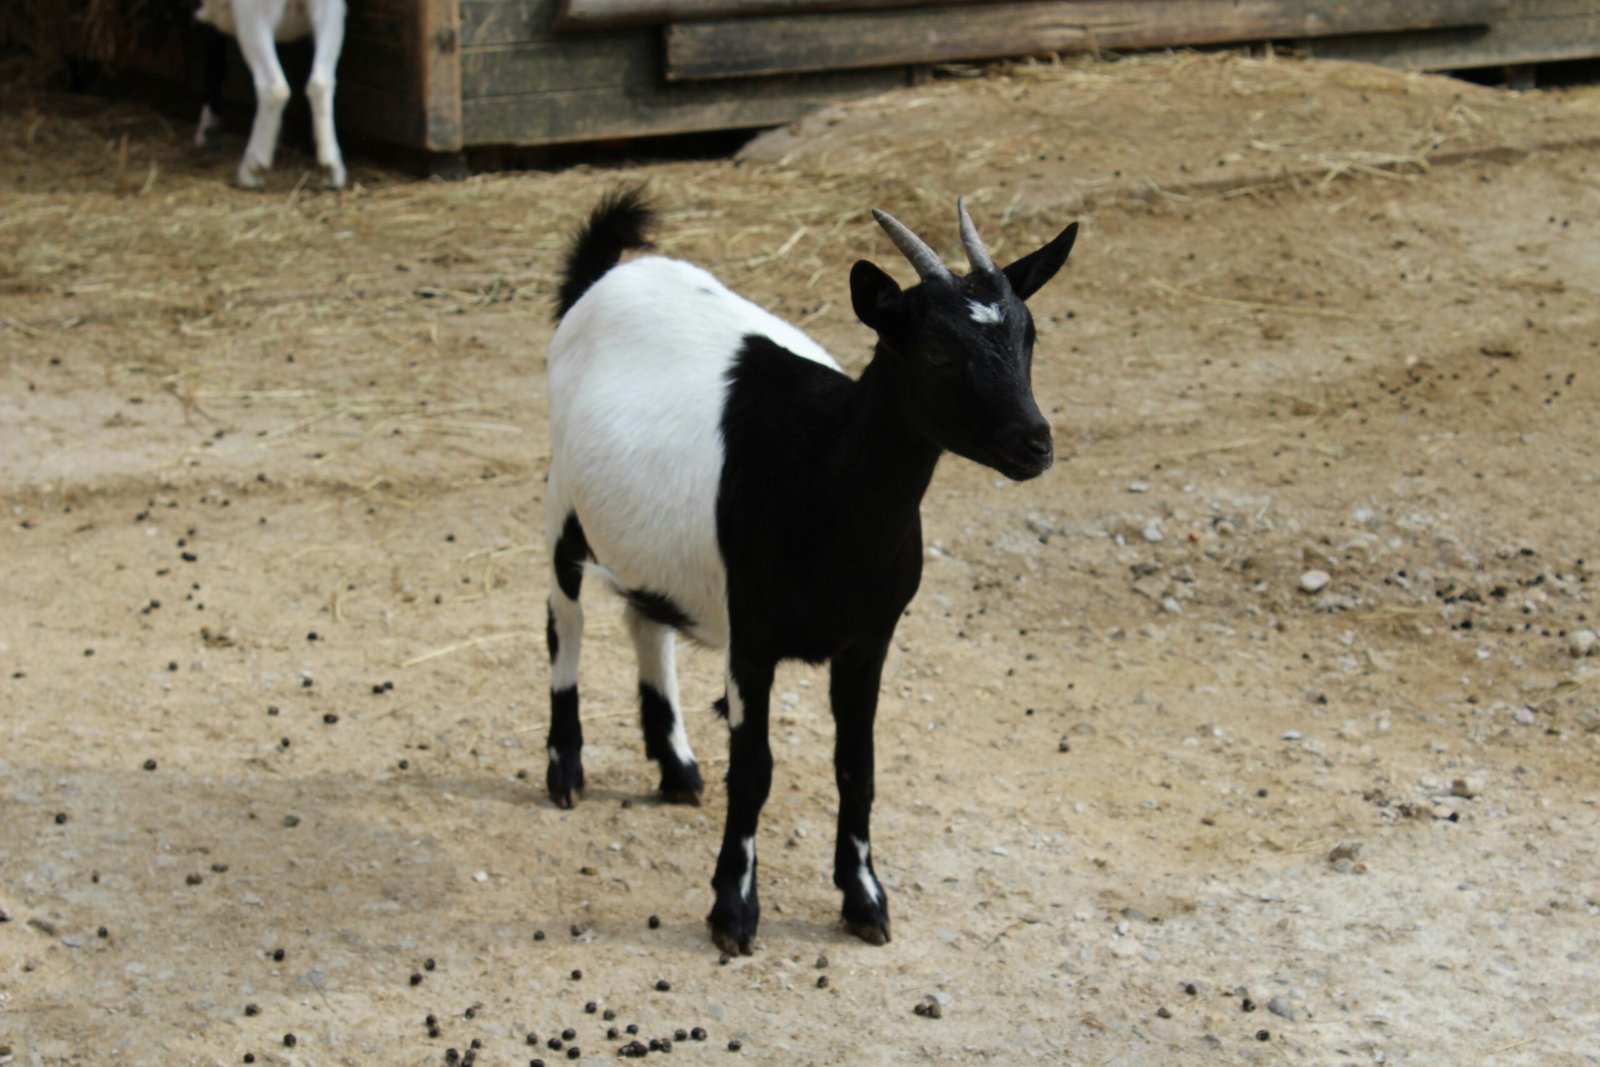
[
  {"x": 713, "y": 464},
  {"x": 258, "y": 25}
]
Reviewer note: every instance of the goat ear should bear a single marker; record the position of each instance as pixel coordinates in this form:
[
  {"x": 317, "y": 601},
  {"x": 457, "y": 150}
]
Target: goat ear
[
  {"x": 1028, "y": 274},
  {"x": 874, "y": 295}
]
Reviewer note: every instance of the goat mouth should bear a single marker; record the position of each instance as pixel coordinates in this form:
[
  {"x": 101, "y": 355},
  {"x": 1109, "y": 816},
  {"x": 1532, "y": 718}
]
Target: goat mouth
[{"x": 1024, "y": 466}]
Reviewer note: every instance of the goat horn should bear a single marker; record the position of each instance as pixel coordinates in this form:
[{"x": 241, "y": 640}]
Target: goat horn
[
  {"x": 927, "y": 263},
  {"x": 977, "y": 255}
]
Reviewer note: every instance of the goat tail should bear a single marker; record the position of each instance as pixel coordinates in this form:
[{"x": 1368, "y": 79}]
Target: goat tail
[{"x": 621, "y": 221}]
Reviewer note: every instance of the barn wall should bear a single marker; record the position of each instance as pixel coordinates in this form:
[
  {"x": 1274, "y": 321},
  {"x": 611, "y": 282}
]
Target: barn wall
[
  {"x": 522, "y": 82},
  {"x": 1530, "y": 31}
]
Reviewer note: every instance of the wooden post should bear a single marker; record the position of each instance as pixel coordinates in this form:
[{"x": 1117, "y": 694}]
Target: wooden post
[{"x": 439, "y": 72}]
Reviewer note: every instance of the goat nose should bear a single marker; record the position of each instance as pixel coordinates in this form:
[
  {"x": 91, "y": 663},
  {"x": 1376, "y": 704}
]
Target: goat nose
[{"x": 1038, "y": 439}]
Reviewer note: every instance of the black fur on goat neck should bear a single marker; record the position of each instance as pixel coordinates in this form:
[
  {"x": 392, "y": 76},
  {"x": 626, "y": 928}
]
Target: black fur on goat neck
[{"x": 818, "y": 517}]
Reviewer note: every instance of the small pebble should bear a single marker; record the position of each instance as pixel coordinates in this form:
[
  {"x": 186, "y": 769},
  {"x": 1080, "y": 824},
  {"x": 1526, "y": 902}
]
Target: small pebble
[
  {"x": 1314, "y": 581},
  {"x": 1282, "y": 1007}
]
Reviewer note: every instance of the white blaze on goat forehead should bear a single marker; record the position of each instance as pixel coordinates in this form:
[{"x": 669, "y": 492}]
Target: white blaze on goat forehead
[
  {"x": 863, "y": 872},
  {"x": 984, "y": 314},
  {"x": 748, "y": 881}
]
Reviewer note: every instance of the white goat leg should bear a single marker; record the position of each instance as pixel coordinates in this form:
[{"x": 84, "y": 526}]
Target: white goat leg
[
  {"x": 328, "y": 29},
  {"x": 255, "y": 36}
]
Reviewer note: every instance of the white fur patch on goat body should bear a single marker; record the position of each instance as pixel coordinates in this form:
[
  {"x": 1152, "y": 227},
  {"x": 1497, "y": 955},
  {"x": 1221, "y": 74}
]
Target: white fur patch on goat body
[
  {"x": 747, "y": 881},
  {"x": 863, "y": 871},
  {"x": 984, "y": 314},
  {"x": 638, "y": 383},
  {"x": 735, "y": 704}
]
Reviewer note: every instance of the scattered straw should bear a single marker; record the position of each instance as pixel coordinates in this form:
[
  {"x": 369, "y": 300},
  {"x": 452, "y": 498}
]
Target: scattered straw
[{"x": 474, "y": 642}]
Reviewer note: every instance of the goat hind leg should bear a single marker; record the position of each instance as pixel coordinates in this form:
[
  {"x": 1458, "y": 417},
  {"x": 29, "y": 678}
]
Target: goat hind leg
[
  {"x": 660, "y": 712},
  {"x": 272, "y": 93},
  {"x": 329, "y": 32},
  {"x": 564, "y": 635}
]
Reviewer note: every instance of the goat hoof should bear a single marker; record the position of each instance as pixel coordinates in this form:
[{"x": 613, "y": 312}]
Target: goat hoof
[
  {"x": 871, "y": 932},
  {"x": 682, "y": 784},
  {"x": 867, "y": 919},
  {"x": 730, "y": 944},
  {"x": 333, "y": 176},
  {"x": 733, "y": 923},
  {"x": 564, "y": 781},
  {"x": 251, "y": 177}
]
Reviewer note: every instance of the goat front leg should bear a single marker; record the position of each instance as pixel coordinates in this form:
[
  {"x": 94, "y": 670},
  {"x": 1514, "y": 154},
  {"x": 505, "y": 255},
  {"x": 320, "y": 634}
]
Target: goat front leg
[
  {"x": 853, "y": 691},
  {"x": 272, "y": 93},
  {"x": 737, "y": 911},
  {"x": 329, "y": 33}
]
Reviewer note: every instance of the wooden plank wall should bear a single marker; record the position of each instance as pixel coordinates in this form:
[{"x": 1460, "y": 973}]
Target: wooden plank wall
[
  {"x": 1530, "y": 31},
  {"x": 524, "y": 82},
  {"x": 734, "y": 47}
]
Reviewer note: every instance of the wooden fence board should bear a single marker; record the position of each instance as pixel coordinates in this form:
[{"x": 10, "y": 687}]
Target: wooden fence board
[
  {"x": 491, "y": 22},
  {"x": 611, "y": 14},
  {"x": 850, "y": 40},
  {"x": 1535, "y": 31},
  {"x": 585, "y": 62},
  {"x": 595, "y": 114}
]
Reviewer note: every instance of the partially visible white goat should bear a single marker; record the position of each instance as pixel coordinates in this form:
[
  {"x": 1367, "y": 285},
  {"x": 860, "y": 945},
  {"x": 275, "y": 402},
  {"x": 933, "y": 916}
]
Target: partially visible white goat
[{"x": 258, "y": 25}]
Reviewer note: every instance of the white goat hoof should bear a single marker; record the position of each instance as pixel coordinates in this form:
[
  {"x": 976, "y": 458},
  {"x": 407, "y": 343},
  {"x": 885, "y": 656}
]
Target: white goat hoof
[
  {"x": 333, "y": 176},
  {"x": 252, "y": 176}
]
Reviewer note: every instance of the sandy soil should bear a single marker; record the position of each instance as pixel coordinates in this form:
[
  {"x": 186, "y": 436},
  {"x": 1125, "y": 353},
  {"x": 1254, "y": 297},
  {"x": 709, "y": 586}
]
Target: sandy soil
[{"x": 1142, "y": 799}]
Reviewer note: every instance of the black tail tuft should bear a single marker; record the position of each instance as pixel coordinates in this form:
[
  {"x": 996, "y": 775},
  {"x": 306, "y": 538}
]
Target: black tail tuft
[{"x": 619, "y": 222}]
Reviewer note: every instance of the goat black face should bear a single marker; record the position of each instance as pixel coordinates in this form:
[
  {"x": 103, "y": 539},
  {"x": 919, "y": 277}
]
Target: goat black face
[{"x": 963, "y": 347}]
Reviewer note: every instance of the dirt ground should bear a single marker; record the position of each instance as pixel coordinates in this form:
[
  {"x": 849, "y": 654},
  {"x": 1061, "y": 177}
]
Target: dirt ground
[{"x": 271, "y": 660}]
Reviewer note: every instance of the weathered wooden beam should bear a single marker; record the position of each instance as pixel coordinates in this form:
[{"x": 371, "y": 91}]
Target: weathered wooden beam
[
  {"x": 1534, "y": 31},
  {"x": 642, "y": 110},
  {"x": 612, "y": 14},
  {"x": 729, "y": 48},
  {"x": 438, "y": 66}
]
